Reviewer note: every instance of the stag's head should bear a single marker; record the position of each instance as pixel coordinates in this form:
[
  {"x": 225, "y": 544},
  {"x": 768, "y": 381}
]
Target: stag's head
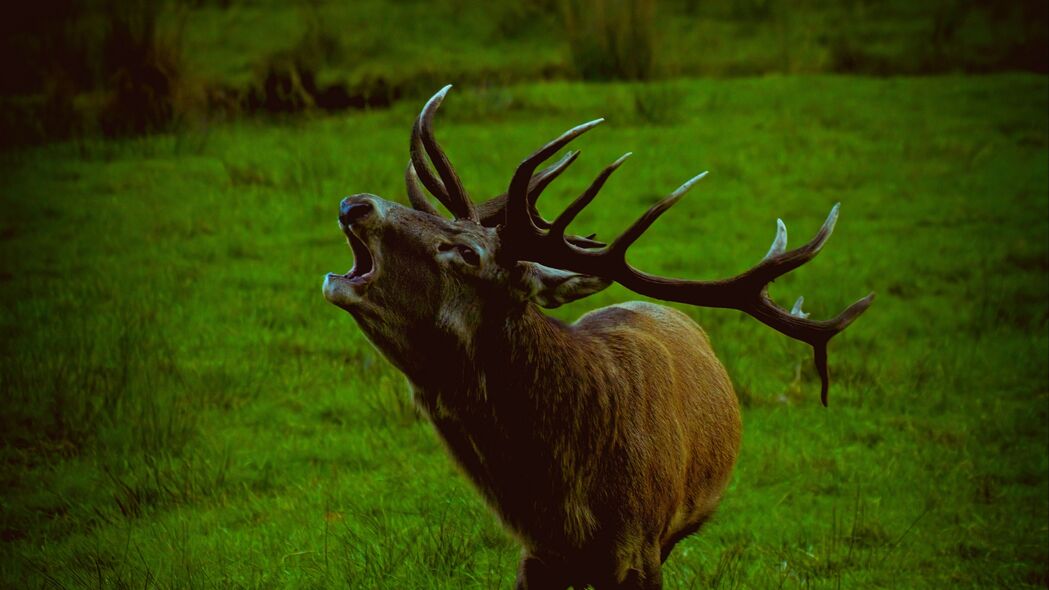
[
  {"x": 418, "y": 273},
  {"x": 421, "y": 277}
]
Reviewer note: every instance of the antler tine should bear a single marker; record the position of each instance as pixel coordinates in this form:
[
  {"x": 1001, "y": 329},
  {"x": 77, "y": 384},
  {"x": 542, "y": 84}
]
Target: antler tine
[
  {"x": 777, "y": 264},
  {"x": 453, "y": 196},
  {"x": 542, "y": 179},
  {"x": 796, "y": 310},
  {"x": 518, "y": 216},
  {"x": 418, "y": 159},
  {"x": 492, "y": 212},
  {"x": 795, "y": 324},
  {"x": 424, "y": 145},
  {"x": 558, "y": 227},
  {"x": 632, "y": 233},
  {"x": 547, "y": 175},
  {"x": 779, "y": 243},
  {"x": 819, "y": 349},
  {"x": 415, "y": 194}
]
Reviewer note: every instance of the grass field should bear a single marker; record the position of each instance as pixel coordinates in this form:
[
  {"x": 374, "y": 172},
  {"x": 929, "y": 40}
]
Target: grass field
[{"x": 183, "y": 409}]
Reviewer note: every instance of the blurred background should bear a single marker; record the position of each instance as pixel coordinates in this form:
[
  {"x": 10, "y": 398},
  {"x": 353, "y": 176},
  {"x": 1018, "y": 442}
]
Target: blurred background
[
  {"x": 182, "y": 409},
  {"x": 133, "y": 66}
]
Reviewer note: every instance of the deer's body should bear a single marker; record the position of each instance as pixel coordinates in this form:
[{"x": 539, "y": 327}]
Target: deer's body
[
  {"x": 594, "y": 441},
  {"x": 599, "y": 444}
]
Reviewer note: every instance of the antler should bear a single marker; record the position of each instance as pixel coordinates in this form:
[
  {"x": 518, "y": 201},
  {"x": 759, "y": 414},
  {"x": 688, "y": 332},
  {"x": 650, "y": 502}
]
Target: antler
[
  {"x": 746, "y": 292},
  {"x": 492, "y": 210},
  {"x": 448, "y": 188},
  {"x": 489, "y": 213}
]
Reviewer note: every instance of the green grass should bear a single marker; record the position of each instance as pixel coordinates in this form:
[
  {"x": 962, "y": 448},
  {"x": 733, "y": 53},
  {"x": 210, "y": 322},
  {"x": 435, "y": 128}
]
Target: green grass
[{"x": 183, "y": 409}]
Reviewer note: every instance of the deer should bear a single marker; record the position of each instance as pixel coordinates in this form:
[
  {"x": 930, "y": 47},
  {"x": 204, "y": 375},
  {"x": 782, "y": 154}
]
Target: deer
[{"x": 599, "y": 444}]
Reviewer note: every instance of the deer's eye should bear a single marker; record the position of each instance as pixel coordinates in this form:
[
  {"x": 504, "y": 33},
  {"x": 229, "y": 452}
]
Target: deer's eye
[{"x": 468, "y": 255}]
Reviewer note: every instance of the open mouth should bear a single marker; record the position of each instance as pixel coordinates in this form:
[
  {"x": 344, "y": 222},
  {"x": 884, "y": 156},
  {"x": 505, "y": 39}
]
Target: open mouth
[{"x": 363, "y": 263}]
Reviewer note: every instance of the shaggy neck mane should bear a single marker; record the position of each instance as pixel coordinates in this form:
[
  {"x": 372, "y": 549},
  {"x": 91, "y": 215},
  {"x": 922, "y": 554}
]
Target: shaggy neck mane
[
  {"x": 535, "y": 361},
  {"x": 531, "y": 417}
]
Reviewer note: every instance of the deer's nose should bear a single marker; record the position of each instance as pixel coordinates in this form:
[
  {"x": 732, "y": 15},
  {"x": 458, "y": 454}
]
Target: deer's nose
[{"x": 354, "y": 208}]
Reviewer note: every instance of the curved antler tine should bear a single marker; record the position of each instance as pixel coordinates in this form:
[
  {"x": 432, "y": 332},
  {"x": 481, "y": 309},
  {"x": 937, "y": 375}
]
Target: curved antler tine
[
  {"x": 684, "y": 188},
  {"x": 639, "y": 227},
  {"x": 415, "y": 194},
  {"x": 819, "y": 358},
  {"x": 540, "y": 180},
  {"x": 837, "y": 325},
  {"x": 843, "y": 319},
  {"x": 458, "y": 201},
  {"x": 493, "y": 211},
  {"x": 821, "y": 237},
  {"x": 779, "y": 243},
  {"x": 632, "y": 233},
  {"x": 518, "y": 216},
  {"x": 796, "y": 310},
  {"x": 418, "y": 158},
  {"x": 558, "y": 227},
  {"x": 547, "y": 175},
  {"x": 780, "y": 264}
]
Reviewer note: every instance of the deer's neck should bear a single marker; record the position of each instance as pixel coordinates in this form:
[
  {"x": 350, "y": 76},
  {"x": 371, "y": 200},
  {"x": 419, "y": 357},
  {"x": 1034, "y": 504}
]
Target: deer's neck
[
  {"x": 524, "y": 362},
  {"x": 532, "y": 412}
]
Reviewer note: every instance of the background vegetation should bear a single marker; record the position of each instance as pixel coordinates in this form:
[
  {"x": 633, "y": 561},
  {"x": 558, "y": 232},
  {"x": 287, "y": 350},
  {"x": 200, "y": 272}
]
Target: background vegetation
[
  {"x": 182, "y": 408},
  {"x": 119, "y": 67}
]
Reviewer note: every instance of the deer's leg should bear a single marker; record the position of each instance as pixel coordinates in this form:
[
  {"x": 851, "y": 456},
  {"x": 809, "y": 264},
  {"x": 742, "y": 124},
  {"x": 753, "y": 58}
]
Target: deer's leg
[
  {"x": 691, "y": 529},
  {"x": 646, "y": 575},
  {"x": 537, "y": 573}
]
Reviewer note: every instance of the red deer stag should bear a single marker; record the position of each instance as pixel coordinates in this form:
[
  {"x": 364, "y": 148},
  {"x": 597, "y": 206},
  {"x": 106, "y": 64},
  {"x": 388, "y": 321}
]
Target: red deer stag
[{"x": 600, "y": 444}]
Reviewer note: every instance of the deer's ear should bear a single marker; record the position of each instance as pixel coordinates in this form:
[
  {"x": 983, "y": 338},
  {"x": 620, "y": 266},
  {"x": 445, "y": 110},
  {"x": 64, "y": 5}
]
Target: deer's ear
[{"x": 551, "y": 287}]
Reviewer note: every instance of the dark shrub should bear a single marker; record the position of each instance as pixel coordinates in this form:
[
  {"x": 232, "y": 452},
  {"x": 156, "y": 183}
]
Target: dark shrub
[
  {"x": 611, "y": 39},
  {"x": 144, "y": 70}
]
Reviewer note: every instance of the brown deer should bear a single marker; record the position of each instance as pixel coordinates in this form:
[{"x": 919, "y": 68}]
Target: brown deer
[{"x": 600, "y": 444}]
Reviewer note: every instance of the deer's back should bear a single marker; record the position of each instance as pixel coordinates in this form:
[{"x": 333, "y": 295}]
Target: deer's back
[{"x": 678, "y": 419}]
